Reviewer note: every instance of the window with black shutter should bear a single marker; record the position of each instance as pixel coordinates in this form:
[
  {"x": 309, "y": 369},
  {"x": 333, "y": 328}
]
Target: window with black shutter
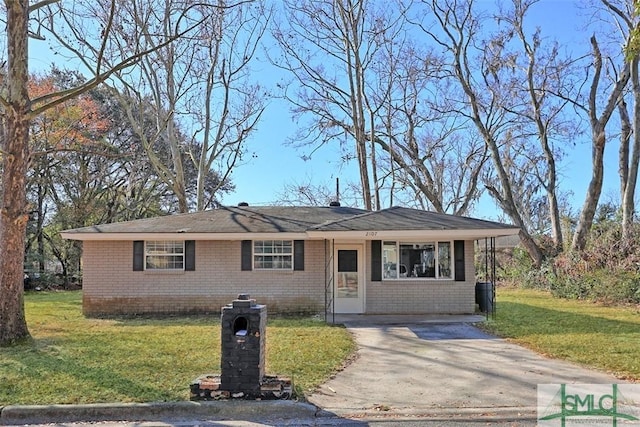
[{"x": 164, "y": 255}]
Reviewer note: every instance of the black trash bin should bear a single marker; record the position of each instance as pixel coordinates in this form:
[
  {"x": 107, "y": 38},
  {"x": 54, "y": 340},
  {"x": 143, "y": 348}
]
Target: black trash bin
[{"x": 484, "y": 296}]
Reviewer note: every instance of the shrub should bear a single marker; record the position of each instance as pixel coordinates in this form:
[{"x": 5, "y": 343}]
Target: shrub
[
  {"x": 616, "y": 287},
  {"x": 602, "y": 286},
  {"x": 564, "y": 286},
  {"x": 518, "y": 269},
  {"x": 604, "y": 275},
  {"x": 513, "y": 268},
  {"x": 606, "y": 271}
]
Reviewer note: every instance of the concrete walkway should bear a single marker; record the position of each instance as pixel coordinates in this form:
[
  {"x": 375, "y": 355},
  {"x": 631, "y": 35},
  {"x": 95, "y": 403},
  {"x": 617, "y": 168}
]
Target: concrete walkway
[{"x": 441, "y": 366}]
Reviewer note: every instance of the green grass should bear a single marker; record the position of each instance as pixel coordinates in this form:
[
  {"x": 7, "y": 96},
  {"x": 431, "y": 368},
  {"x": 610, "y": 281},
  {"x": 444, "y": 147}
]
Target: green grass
[
  {"x": 607, "y": 338},
  {"x": 71, "y": 359}
]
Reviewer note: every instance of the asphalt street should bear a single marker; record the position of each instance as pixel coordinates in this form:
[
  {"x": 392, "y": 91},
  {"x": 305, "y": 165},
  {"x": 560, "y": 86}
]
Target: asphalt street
[{"x": 419, "y": 422}]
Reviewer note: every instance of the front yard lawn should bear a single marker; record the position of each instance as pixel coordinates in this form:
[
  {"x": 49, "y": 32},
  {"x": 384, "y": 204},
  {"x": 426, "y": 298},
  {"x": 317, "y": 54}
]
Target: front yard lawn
[
  {"x": 607, "y": 338},
  {"x": 71, "y": 359}
]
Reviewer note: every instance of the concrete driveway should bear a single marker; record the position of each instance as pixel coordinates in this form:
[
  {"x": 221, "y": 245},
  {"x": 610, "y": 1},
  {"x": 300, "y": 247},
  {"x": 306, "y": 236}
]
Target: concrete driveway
[{"x": 441, "y": 367}]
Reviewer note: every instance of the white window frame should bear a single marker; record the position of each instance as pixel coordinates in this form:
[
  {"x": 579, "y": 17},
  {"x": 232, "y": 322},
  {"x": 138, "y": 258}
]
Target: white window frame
[
  {"x": 273, "y": 251},
  {"x": 160, "y": 249},
  {"x": 395, "y": 270}
]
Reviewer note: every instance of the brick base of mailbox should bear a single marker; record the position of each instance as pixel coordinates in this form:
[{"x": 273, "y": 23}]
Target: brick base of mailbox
[
  {"x": 209, "y": 387},
  {"x": 243, "y": 333},
  {"x": 242, "y": 359}
]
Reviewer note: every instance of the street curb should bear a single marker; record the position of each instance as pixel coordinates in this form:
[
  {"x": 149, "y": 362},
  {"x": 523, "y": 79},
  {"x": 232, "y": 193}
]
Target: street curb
[
  {"x": 243, "y": 410},
  {"x": 484, "y": 414}
]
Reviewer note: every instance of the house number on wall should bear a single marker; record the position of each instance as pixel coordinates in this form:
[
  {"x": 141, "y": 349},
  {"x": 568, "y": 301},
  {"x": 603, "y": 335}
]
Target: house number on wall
[{"x": 371, "y": 233}]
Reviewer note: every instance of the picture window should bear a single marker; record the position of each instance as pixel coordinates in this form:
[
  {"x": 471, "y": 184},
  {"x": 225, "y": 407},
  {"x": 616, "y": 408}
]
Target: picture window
[{"x": 428, "y": 260}]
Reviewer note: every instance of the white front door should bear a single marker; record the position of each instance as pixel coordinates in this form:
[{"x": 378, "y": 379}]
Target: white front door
[{"x": 349, "y": 279}]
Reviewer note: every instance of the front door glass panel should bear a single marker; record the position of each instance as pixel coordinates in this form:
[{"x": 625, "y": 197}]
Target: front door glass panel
[{"x": 347, "y": 285}]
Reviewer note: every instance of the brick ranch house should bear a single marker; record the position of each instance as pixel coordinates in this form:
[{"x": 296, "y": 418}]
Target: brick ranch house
[{"x": 293, "y": 259}]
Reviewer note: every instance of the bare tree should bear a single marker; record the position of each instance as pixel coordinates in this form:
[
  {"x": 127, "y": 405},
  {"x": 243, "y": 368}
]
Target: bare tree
[
  {"x": 598, "y": 122},
  {"x": 303, "y": 192},
  {"x": 231, "y": 107},
  {"x": 328, "y": 49},
  {"x": 431, "y": 160},
  {"x": 17, "y": 112},
  {"x": 456, "y": 31},
  {"x": 608, "y": 85},
  {"x": 629, "y": 150},
  {"x": 359, "y": 77},
  {"x": 199, "y": 89},
  {"x": 544, "y": 81}
]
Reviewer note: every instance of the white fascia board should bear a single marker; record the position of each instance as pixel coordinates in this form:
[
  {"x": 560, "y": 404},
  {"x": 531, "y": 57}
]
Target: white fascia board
[
  {"x": 183, "y": 236},
  {"x": 415, "y": 234}
]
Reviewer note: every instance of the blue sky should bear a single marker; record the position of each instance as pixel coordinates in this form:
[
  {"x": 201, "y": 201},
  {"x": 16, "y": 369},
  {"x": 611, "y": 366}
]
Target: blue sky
[{"x": 264, "y": 176}]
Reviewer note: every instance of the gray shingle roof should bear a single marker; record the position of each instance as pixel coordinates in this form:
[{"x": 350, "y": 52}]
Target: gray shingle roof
[
  {"x": 244, "y": 219},
  {"x": 399, "y": 218},
  {"x": 293, "y": 219}
]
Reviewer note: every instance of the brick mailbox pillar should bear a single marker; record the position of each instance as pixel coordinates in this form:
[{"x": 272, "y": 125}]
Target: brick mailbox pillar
[
  {"x": 244, "y": 325},
  {"x": 242, "y": 358}
]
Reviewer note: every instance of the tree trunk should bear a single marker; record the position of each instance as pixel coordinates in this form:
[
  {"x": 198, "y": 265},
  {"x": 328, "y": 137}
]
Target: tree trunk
[
  {"x": 593, "y": 191},
  {"x": 598, "y": 142},
  {"x": 351, "y": 16},
  {"x": 15, "y": 147},
  {"x": 13, "y": 226},
  {"x": 629, "y": 189},
  {"x": 551, "y": 175},
  {"x": 179, "y": 182},
  {"x": 374, "y": 164},
  {"x": 531, "y": 247}
]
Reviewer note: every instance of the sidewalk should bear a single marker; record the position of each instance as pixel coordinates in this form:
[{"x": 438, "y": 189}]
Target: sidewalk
[{"x": 374, "y": 320}]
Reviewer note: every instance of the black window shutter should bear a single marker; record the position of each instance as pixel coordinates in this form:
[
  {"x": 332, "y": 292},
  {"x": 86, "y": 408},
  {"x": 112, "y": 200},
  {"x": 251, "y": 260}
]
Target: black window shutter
[
  {"x": 138, "y": 255},
  {"x": 189, "y": 255},
  {"x": 458, "y": 257},
  {"x": 298, "y": 255},
  {"x": 245, "y": 257},
  {"x": 376, "y": 260}
]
